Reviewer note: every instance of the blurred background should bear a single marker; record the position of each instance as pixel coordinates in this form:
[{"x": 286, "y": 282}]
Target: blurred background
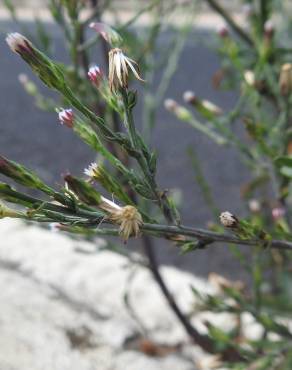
[
  {"x": 35, "y": 138},
  {"x": 65, "y": 306}
]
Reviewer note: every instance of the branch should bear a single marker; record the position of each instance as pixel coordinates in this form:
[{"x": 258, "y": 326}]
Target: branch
[
  {"x": 230, "y": 21},
  {"x": 211, "y": 237}
]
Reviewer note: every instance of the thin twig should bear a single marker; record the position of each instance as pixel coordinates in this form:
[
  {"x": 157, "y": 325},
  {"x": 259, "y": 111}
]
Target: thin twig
[{"x": 230, "y": 21}]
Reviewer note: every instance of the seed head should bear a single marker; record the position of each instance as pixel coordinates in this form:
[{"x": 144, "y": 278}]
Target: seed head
[
  {"x": 95, "y": 75},
  {"x": 129, "y": 220},
  {"x": 128, "y": 217},
  {"x": 227, "y": 219},
  {"x": 119, "y": 65},
  {"x": 66, "y": 117}
]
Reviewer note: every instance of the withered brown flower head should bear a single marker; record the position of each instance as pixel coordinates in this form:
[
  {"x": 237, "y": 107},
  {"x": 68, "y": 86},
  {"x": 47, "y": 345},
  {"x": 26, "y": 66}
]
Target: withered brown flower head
[
  {"x": 128, "y": 217},
  {"x": 119, "y": 65}
]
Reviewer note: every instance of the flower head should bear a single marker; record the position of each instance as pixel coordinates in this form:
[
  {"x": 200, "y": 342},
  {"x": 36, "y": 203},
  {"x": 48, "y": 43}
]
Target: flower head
[
  {"x": 227, "y": 219},
  {"x": 119, "y": 65},
  {"x": 18, "y": 43},
  {"x": 170, "y": 105},
  {"x": 91, "y": 170},
  {"x": 95, "y": 75},
  {"x": 269, "y": 28},
  {"x": 128, "y": 217},
  {"x": 189, "y": 97},
  {"x": 66, "y": 117}
]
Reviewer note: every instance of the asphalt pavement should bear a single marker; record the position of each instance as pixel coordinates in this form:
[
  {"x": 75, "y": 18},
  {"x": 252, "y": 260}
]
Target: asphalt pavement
[{"x": 36, "y": 139}]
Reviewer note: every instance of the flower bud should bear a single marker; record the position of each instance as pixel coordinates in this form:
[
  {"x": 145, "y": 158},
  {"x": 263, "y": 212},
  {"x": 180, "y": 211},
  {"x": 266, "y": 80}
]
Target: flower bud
[
  {"x": 189, "y": 97},
  {"x": 8, "y": 212},
  {"x": 109, "y": 34},
  {"x": 269, "y": 29},
  {"x": 228, "y": 220},
  {"x": 84, "y": 191},
  {"x": 19, "y": 44},
  {"x": 95, "y": 75},
  {"x": 48, "y": 71},
  {"x": 100, "y": 174},
  {"x": 223, "y": 32},
  {"x": 278, "y": 213},
  {"x": 66, "y": 117},
  {"x": 170, "y": 105},
  {"x": 249, "y": 78},
  {"x": 22, "y": 175},
  {"x": 285, "y": 80},
  {"x": 28, "y": 85},
  {"x": 254, "y": 206}
]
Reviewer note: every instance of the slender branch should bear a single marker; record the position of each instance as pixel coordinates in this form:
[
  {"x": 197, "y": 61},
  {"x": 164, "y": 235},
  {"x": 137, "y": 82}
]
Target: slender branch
[
  {"x": 230, "y": 21},
  {"x": 212, "y": 237},
  {"x": 206, "y": 343}
]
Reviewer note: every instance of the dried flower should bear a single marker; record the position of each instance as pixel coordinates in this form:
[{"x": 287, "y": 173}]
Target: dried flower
[
  {"x": 18, "y": 43},
  {"x": 227, "y": 219},
  {"x": 108, "y": 33},
  {"x": 285, "y": 80},
  {"x": 119, "y": 65},
  {"x": 95, "y": 75},
  {"x": 128, "y": 217},
  {"x": 66, "y": 117}
]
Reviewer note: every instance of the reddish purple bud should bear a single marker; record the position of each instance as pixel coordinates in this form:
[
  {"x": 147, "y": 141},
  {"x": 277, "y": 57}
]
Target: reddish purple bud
[
  {"x": 66, "y": 117},
  {"x": 18, "y": 43},
  {"x": 278, "y": 213},
  {"x": 95, "y": 75},
  {"x": 223, "y": 32}
]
